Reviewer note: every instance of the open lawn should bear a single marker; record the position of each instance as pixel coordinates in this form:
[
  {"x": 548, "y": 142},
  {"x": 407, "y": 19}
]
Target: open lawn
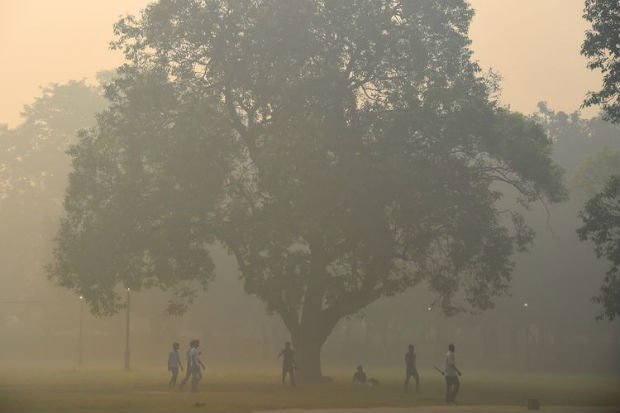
[{"x": 145, "y": 390}]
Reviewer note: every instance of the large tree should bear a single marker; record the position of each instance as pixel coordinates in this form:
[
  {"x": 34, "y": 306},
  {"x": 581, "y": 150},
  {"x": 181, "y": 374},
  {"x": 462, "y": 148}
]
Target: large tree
[
  {"x": 602, "y": 212},
  {"x": 340, "y": 150}
]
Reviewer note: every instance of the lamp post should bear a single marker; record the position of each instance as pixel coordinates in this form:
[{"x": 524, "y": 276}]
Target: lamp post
[
  {"x": 80, "y": 333},
  {"x": 127, "y": 353}
]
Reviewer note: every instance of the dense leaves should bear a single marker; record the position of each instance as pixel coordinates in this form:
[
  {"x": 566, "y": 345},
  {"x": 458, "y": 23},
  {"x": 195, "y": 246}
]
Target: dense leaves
[
  {"x": 602, "y": 212},
  {"x": 33, "y": 163},
  {"x": 341, "y": 151},
  {"x": 602, "y": 47},
  {"x": 593, "y": 173},
  {"x": 138, "y": 207},
  {"x": 33, "y": 177},
  {"x": 601, "y": 224}
]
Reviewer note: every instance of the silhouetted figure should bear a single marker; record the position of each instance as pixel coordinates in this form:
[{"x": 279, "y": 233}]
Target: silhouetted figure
[
  {"x": 288, "y": 363},
  {"x": 360, "y": 378},
  {"x": 197, "y": 366},
  {"x": 452, "y": 374},
  {"x": 411, "y": 369},
  {"x": 174, "y": 363},
  {"x": 188, "y": 372}
]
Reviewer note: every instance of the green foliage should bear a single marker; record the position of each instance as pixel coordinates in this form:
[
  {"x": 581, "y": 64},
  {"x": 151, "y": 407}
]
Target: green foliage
[
  {"x": 574, "y": 137},
  {"x": 342, "y": 151},
  {"x": 33, "y": 175},
  {"x": 592, "y": 174},
  {"x": 33, "y": 163},
  {"x": 138, "y": 210},
  {"x": 601, "y": 212},
  {"x": 601, "y": 224},
  {"x": 587, "y": 149},
  {"x": 601, "y": 47}
]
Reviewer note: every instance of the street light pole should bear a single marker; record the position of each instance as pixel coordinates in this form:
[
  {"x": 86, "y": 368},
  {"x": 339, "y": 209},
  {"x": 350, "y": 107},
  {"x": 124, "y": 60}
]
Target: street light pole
[
  {"x": 127, "y": 332},
  {"x": 80, "y": 338}
]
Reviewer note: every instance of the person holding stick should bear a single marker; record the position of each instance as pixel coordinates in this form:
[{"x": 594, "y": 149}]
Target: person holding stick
[{"x": 451, "y": 374}]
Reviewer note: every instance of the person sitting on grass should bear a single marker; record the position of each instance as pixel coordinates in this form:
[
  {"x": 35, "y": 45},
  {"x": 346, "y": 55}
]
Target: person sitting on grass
[
  {"x": 360, "y": 378},
  {"x": 174, "y": 363}
]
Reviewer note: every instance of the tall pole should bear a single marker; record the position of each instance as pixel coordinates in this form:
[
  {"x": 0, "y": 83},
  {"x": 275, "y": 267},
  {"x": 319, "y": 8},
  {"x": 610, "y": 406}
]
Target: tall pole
[
  {"x": 80, "y": 337},
  {"x": 127, "y": 332}
]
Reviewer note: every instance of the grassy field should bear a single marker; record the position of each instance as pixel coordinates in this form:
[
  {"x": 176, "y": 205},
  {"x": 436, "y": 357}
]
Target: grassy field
[{"x": 242, "y": 391}]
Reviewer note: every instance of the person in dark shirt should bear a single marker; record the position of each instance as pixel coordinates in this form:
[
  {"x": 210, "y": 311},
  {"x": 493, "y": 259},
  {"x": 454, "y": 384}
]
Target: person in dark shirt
[
  {"x": 411, "y": 370},
  {"x": 288, "y": 363},
  {"x": 360, "y": 376},
  {"x": 452, "y": 374}
]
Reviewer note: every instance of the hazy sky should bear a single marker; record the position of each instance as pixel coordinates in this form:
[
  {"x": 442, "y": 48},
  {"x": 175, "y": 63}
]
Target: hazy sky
[{"x": 533, "y": 44}]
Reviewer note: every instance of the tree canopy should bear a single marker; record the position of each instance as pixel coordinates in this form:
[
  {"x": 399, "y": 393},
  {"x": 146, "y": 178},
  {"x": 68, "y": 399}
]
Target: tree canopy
[
  {"x": 33, "y": 175},
  {"x": 602, "y": 212},
  {"x": 593, "y": 173},
  {"x": 601, "y": 47},
  {"x": 33, "y": 160},
  {"x": 341, "y": 151},
  {"x": 601, "y": 224}
]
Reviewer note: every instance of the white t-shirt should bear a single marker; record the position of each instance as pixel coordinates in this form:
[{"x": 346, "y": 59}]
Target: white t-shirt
[
  {"x": 194, "y": 357},
  {"x": 173, "y": 360},
  {"x": 450, "y": 362}
]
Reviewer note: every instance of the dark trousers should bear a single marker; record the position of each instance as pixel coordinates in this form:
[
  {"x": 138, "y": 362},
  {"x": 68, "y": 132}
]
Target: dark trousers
[
  {"x": 173, "y": 378},
  {"x": 452, "y": 388},
  {"x": 290, "y": 370},
  {"x": 412, "y": 373}
]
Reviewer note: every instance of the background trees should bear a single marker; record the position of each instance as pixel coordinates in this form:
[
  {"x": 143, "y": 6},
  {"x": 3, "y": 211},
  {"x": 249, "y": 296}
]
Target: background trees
[
  {"x": 341, "y": 151},
  {"x": 33, "y": 176}
]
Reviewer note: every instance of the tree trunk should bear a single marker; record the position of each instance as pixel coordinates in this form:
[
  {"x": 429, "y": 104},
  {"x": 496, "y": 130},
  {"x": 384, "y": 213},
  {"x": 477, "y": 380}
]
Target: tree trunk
[
  {"x": 308, "y": 357},
  {"x": 308, "y": 339}
]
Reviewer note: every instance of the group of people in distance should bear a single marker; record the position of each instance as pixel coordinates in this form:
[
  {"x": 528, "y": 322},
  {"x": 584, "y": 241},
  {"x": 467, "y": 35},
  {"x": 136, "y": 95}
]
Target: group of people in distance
[
  {"x": 195, "y": 368},
  {"x": 451, "y": 374}
]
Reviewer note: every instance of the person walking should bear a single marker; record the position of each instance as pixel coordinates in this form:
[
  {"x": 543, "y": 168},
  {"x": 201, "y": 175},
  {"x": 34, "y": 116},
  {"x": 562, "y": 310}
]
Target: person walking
[
  {"x": 288, "y": 363},
  {"x": 197, "y": 366},
  {"x": 452, "y": 374},
  {"x": 411, "y": 369},
  {"x": 174, "y": 363},
  {"x": 188, "y": 371}
]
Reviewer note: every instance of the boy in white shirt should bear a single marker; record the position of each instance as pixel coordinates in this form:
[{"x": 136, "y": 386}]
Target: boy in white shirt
[
  {"x": 188, "y": 371},
  {"x": 174, "y": 363},
  {"x": 197, "y": 365}
]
